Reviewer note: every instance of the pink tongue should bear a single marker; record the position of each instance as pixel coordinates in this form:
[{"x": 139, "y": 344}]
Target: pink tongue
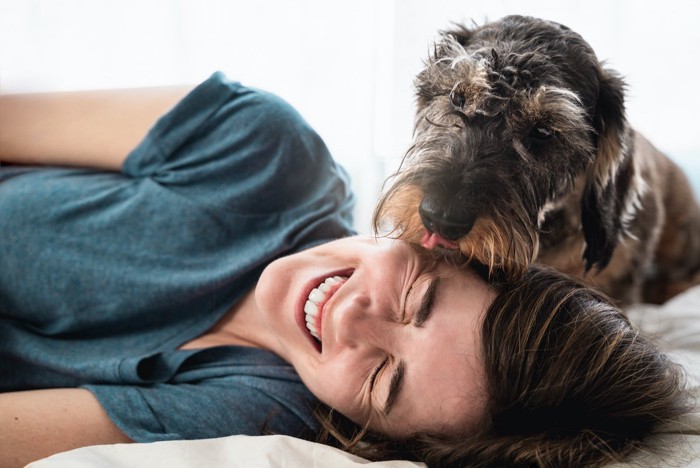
[{"x": 431, "y": 240}]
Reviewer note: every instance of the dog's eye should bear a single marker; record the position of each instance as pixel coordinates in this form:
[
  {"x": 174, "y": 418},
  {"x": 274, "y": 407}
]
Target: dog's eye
[
  {"x": 541, "y": 133},
  {"x": 457, "y": 99}
]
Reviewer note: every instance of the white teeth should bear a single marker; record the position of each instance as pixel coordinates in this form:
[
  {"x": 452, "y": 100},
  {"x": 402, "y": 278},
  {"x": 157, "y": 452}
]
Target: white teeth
[
  {"x": 310, "y": 308},
  {"x": 316, "y": 297}
]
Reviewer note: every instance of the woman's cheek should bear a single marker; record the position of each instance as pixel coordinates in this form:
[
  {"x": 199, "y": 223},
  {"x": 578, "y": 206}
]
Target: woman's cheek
[{"x": 336, "y": 387}]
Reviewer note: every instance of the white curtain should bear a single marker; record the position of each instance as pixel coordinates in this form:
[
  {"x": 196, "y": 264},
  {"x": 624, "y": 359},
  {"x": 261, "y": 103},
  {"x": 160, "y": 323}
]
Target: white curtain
[{"x": 347, "y": 66}]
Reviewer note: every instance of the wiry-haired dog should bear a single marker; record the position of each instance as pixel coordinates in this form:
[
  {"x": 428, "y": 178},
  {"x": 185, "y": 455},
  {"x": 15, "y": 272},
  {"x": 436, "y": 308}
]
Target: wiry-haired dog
[{"x": 522, "y": 153}]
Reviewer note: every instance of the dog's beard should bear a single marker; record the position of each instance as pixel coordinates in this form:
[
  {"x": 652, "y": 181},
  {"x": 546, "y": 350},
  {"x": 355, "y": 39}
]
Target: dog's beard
[{"x": 506, "y": 242}]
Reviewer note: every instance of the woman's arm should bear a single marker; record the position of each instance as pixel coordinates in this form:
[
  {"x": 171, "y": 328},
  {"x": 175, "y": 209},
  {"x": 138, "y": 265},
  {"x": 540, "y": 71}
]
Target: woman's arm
[
  {"x": 85, "y": 128},
  {"x": 38, "y": 423}
]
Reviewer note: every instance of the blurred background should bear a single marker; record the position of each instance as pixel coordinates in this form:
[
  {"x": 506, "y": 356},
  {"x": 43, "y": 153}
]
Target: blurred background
[{"x": 348, "y": 66}]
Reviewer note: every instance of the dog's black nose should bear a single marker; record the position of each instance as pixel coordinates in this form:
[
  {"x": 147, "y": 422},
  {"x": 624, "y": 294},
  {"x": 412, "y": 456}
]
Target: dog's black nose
[{"x": 449, "y": 223}]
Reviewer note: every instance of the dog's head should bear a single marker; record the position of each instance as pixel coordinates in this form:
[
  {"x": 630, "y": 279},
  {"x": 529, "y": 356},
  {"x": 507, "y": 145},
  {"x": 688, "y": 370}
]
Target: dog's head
[{"x": 509, "y": 116}]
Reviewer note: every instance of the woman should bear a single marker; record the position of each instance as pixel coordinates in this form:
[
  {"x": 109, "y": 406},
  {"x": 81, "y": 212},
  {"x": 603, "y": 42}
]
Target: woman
[{"x": 164, "y": 295}]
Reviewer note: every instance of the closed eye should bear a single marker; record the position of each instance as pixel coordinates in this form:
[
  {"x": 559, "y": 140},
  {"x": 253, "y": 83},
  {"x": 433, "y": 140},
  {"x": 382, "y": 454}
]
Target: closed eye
[
  {"x": 402, "y": 319},
  {"x": 429, "y": 294},
  {"x": 426, "y": 305},
  {"x": 375, "y": 373}
]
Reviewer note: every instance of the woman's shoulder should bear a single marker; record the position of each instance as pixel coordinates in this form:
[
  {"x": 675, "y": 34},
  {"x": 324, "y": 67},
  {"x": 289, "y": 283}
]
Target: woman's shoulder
[{"x": 228, "y": 135}]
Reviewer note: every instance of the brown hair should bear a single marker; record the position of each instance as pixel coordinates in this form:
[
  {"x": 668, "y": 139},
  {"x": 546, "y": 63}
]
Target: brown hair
[{"x": 570, "y": 382}]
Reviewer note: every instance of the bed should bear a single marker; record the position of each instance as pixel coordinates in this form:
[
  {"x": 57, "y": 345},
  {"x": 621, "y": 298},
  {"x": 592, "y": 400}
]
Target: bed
[{"x": 675, "y": 325}]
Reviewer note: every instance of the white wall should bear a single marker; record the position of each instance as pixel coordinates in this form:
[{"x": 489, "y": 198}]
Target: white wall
[
  {"x": 655, "y": 45},
  {"x": 347, "y": 66}
]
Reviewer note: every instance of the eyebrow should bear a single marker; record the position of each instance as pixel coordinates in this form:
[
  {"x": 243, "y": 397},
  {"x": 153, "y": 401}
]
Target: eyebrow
[{"x": 397, "y": 378}]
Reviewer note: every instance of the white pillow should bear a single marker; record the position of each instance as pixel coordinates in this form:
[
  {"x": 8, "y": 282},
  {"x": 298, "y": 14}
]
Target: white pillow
[{"x": 234, "y": 451}]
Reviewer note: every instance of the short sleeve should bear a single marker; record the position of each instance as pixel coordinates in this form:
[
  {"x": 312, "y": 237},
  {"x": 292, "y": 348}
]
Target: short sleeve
[
  {"x": 216, "y": 392},
  {"x": 239, "y": 149}
]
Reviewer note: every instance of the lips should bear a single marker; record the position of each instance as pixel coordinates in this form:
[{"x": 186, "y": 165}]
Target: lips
[
  {"x": 318, "y": 297},
  {"x": 312, "y": 301}
]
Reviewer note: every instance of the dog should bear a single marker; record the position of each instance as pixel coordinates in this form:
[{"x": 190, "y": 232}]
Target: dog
[{"x": 522, "y": 153}]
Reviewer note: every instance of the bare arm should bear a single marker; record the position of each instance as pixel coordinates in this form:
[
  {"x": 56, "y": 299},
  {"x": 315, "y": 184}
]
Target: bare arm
[
  {"x": 38, "y": 423},
  {"x": 86, "y": 128}
]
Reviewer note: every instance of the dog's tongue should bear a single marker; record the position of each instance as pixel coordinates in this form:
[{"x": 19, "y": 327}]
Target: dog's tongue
[{"x": 431, "y": 240}]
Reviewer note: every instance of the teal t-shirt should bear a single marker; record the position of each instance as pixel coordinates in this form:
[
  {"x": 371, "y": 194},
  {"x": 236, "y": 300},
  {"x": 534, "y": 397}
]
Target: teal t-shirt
[{"x": 103, "y": 275}]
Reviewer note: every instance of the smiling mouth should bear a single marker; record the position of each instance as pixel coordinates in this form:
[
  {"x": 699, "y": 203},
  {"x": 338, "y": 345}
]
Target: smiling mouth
[{"x": 318, "y": 297}]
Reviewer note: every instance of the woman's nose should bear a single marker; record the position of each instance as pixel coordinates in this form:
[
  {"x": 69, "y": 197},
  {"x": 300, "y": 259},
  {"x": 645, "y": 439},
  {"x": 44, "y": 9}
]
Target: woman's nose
[{"x": 355, "y": 323}]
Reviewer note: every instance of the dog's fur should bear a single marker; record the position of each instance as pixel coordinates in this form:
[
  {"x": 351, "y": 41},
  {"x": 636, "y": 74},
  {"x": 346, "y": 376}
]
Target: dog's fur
[{"x": 522, "y": 153}]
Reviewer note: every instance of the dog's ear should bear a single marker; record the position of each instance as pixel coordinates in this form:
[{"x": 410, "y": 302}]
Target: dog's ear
[{"x": 610, "y": 175}]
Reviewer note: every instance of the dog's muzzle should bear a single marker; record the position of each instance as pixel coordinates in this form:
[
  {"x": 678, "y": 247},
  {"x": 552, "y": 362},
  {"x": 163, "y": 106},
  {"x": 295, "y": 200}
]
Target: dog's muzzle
[{"x": 444, "y": 220}]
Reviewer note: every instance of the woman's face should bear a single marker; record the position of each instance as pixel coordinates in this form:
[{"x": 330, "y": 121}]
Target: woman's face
[{"x": 397, "y": 341}]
